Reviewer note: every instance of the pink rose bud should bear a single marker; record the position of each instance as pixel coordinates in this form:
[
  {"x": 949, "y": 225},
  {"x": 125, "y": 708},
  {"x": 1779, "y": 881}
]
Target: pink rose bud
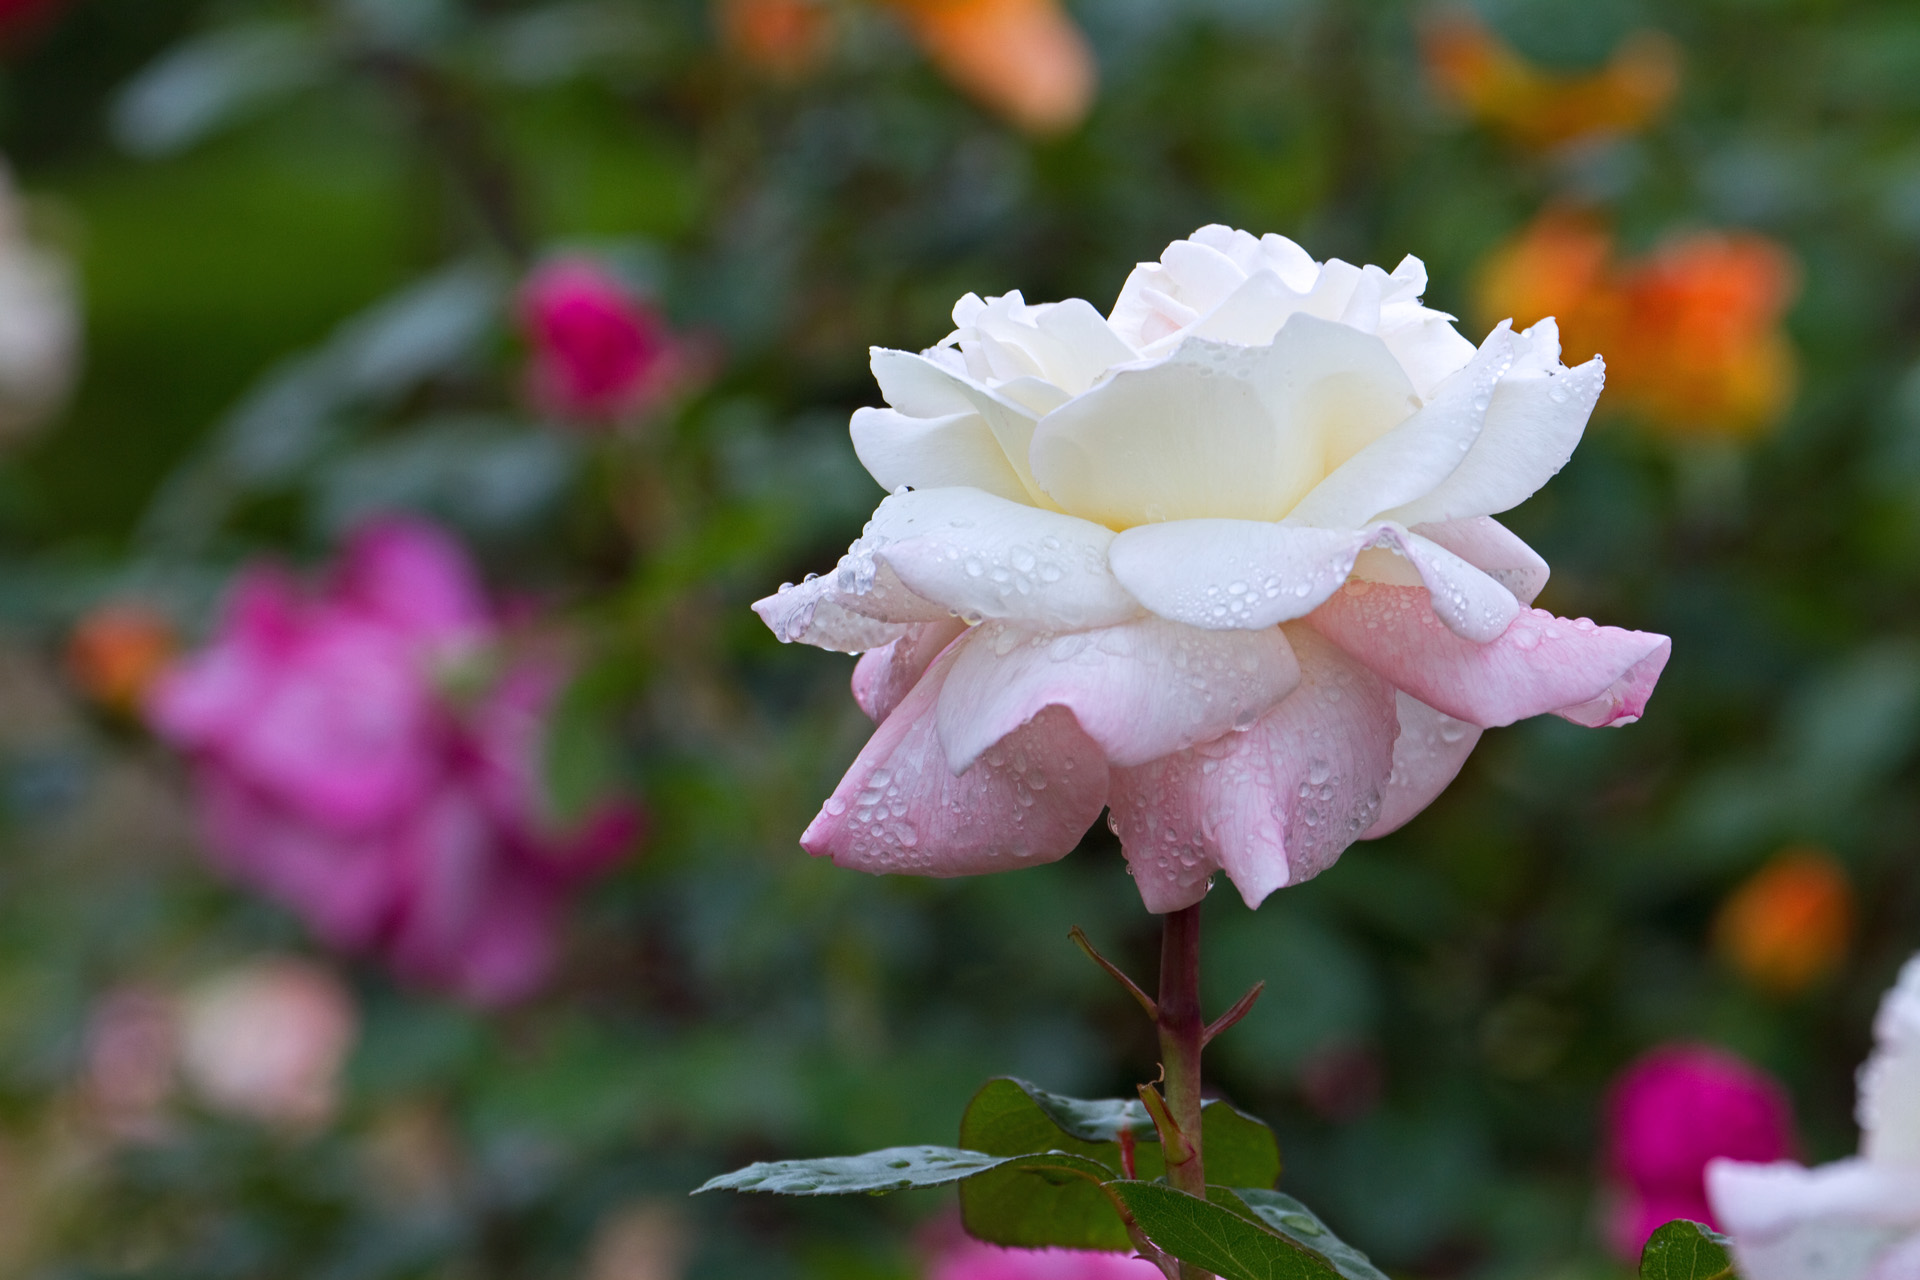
[
  {"x": 266, "y": 1041},
  {"x": 1668, "y": 1115},
  {"x": 599, "y": 351}
]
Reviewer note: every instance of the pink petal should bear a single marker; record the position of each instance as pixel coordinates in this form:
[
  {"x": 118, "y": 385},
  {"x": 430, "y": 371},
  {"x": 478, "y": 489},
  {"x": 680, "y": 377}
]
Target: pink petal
[
  {"x": 1141, "y": 690},
  {"x": 885, "y": 675},
  {"x": 900, "y": 808},
  {"x": 1427, "y": 755},
  {"x": 343, "y": 885},
  {"x": 413, "y": 576},
  {"x": 1273, "y": 806},
  {"x": 1591, "y": 675}
]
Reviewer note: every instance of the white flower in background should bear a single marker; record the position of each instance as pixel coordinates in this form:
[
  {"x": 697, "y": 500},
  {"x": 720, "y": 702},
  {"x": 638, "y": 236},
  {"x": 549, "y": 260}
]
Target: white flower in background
[
  {"x": 39, "y": 323},
  {"x": 266, "y": 1041},
  {"x": 1221, "y": 561},
  {"x": 1854, "y": 1219}
]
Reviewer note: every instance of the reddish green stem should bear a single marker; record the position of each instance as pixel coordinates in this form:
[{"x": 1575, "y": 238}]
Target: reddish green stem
[{"x": 1182, "y": 1035}]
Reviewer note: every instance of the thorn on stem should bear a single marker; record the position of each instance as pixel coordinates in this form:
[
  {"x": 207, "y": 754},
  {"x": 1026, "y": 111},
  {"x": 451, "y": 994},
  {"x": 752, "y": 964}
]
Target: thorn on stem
[
  {"x": 1173, "y": 1143},
  {"x": 1241, "y": 1008},
  {"x": 1081, "y": 940}
]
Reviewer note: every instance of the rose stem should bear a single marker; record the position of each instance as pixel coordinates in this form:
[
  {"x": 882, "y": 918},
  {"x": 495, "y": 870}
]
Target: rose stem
[{"x": 1182, "y": 1034}]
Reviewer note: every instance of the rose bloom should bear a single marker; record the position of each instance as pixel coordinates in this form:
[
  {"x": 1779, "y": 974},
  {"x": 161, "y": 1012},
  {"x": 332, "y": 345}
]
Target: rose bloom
[
  {"x": 1222, "y": 561},
  {"x": 1670, "y": 1113},
  {"x": 972, "y": 1260},
  {"x": 600, "y": 352},
  {"x": 1854, "y": 1219},
  {"x": 337, "y": 772},
  {"x": 1692, "y": 330},
  {"x": 1474, "y": 67},
  {"x": 265, "y": 1041},
  {"x": 1788, "y": 925},
  {"x": 1023, "y": 59}
]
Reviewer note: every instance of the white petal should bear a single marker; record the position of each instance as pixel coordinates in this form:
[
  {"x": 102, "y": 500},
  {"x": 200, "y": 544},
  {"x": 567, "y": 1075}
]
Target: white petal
[
  {"x": 929, "y": 453},
  {"x": 1234, "y": 574},
  {"x": 1492, "y": 548},
  {"x": 1829, "y": 1223},
  {"x": 1141, "y": 690},
  {"x": 860, "y": 605},
  {"x": 1220, "y": 430},
  {"x": 1471, "y": 603},
  {"x": 1535, "y": 418},
  {"x": 1427, "y": 755},
  {"x": 1240, "y": 574},
  {"x": 1409, "y": 461},
  {"x": 926, "y": 387},
  {"x": 983, "y": 556},
  {"x": 1890, "y": 1081}
]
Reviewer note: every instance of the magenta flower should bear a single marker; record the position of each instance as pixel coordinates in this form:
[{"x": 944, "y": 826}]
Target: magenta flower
[
  {"x": 971, "y": 1260},
  {"x": 337, "y": 773},
  {"x": 599, "y": 352},
  {"x": 1222, "y": 562},
  {"x": 1669, "y": 1114}
]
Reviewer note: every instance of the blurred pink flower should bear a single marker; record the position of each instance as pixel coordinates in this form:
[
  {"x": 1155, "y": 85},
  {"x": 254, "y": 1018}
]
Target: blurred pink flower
[
  {"x": 265, "y": 1041},
  {"x": 128, "y": 1065},
  {"x": 1667, "y": 1115},
  {"x": 338, "y": 774},
  {"x": 972, "y": 1260},
  {"x": 599, "y": 351}
]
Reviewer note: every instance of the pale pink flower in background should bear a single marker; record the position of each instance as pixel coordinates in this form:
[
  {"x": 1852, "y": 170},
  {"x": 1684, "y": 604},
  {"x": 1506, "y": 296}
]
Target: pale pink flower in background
[
  {"x": 1854, "y": 1219},
  {"x": 266, "y": 1041},
  {"x": 337, "y": 771},
  {"x": 130, "y": 1046},
  {"x": 600, "y": 352},
  {"x": 972, "y": 1260},
  {"x": 1667, "y": 1115},
  {"x": 1222, "y": 561}
]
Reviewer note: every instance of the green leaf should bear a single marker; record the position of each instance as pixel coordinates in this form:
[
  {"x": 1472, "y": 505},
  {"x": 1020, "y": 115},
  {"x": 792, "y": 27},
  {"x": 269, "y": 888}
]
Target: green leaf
[
  {"x": 1298, "y": 1223},
  {"x": 1012, "y": 1117},
  {"x": 1232, "y": 1245},
  {"x": 1684, "y": 1250},
  {"x": 892, "y": 1169},
  {"x": 904, "y": 1169}
]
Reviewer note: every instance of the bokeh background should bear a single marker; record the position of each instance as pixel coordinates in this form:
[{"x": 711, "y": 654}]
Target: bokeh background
[{"x": 298, "y": 237}]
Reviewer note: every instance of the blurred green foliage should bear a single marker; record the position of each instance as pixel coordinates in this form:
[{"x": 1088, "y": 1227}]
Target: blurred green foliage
[{"x": 257, "y": 192}]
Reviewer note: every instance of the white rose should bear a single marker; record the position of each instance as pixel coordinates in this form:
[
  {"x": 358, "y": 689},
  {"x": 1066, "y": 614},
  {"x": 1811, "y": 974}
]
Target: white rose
[
  {"x": 1221, "y": 560},
  {"x": 1856, "y": 1219}
]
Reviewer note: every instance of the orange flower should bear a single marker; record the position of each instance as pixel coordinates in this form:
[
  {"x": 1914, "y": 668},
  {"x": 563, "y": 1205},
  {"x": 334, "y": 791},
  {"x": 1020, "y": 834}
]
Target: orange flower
[
  {"x": 1704, "y": 347},
  {"x": 1539, "y": 108},
  {"x": 115, "y": 652},
  {"x": 1691, "y": 333},
  {"x": 784, "y": 39},
  {"x": 1024, "y": 59},
  {"x": 1788, "y": 925}
]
